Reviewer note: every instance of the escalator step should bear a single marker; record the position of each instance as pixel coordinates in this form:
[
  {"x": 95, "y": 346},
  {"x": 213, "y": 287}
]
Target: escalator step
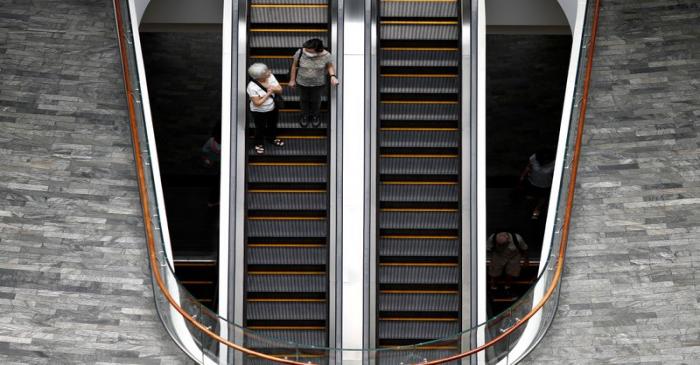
[
  {"x": 417, "y": 9},
  {"x": 287, "y": 200},
  {"x": 419, "y": 138},
  {"x": 283, "y": 39},
  {"x": 290, "y": 2},
  {"x": 420, "y": 32},
  {"x": 292, "y": 95},
  {"x": 286, "y": 283},
  {"x": 419, "y": 85},
  {"x": 289, "y": 15},
  {"x": 280, "y": 67},
  {"x": 419, "y": 192},
  {"x": 417, "y": 330},
  {"x": 287, "y": 228},
  {"x": 257, "y": 310},
  {"x": 419, "y": 166},
  {"x": 422, "y": 111},
  {"x": 413, "y": 302},
  {"x": 422, "y": 220},
  {"x": 422, "y": 57},
  {"x": 283, "y": 338},
  {"x": 412, "y": 356},
  {"x": 419, "y": 274},
  {"x": 279, "y": 255},
  {"x": 418, "y": 247},
  {"x": 296, "y": 147},
  {"x": 297, "y": 173}
]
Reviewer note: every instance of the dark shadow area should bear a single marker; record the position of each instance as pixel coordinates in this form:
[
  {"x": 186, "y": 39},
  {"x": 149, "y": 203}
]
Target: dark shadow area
[
  {"x": 184, "y": 84},
  {"x": 526, "y": 80}
]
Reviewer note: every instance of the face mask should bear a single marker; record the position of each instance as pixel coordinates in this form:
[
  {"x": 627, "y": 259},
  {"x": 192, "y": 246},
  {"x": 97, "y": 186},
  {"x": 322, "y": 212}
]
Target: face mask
[{"x": 310, "y": 54}]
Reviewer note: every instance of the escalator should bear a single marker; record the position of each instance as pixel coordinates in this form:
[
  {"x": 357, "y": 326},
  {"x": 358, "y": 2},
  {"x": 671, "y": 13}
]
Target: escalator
[
  {"x": 419, "y": 177},
  {"x": 286, "y": 254}
]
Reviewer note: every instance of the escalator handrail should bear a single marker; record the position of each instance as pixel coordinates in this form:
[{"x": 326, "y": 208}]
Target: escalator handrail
[{"x": 149, "y": 228}]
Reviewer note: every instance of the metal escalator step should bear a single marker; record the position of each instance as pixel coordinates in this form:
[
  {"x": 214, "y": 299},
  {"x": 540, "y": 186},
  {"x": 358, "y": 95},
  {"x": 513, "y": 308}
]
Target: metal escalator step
[
  {"x": 393, "y": 357},
  {"x": 282, "y": 310},
  {"x": 419, "y": 57},
  {"x": 294, "y": 14},
  {"x": 282, "y": 38},
  {"x": 283, "y": 338},
  {"x": 293, "y": 354},
  {"x": 418, "y": 220},
  {"x": 419, "y": 274},
  {"x": 418, "y": 166},
  {"x": 292, "y": 95},
  {"x": 431, "y": 9},
  {"x": 419, "y": 138},
  {"x": 414, "y": 302},
  {"x": 290, "y": 2},
  {"x": 296, "y": 173},
  {"x": 419, "y": 111},
  {"x": 417, "y": 330},
  {"x": 419, "y": 192},
  {"x": 419, "y": 32},
  {"x": 296, "y": 147},
  {"x": 287, "y": 228},
  {"x": 278, "y": 65},
  {"x": 418, "y": 247},
  {"x": 282, "y": 200},
  {"x": 289, "y": 119},
  {"x": 286, "y": 283},
  {"x": 280, "y": 255},
  {"x": 419, "y": 85}
]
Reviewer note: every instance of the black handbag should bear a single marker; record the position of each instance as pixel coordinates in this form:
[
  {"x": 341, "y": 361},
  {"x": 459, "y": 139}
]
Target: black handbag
[{"x": 276, "y": 98}]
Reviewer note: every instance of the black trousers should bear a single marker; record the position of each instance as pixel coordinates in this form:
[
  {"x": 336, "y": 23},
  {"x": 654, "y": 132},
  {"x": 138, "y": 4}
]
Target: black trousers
[
  {"x": 311, "y": 100},
  {"x": 265, "y": 126}
]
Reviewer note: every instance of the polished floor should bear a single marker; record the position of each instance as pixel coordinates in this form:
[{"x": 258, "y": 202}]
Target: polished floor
[
  {"x": 630, "y": 288},
  {"x": 74, "y": 279}
]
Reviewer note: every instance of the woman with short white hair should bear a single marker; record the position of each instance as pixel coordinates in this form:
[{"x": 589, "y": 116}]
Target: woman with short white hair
[{"x": 262, "y": 90}]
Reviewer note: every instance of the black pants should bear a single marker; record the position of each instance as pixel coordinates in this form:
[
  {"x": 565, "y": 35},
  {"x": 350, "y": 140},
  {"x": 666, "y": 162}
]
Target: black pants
[
  {"x": 311, "y": 100},
  {"x": 265, "y": 126}
]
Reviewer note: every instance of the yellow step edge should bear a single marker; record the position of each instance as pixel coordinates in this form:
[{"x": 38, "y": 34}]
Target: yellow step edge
[
  {"x": 287, "y": 218},
  {"x": 295, "y": 245},
  {"x": 441, "y": 102},
  {"x": 420, "y": 22},
  {"x": 405, "y": 129},
  {"x": 286, "y": 272},
  {"x": 302, "y": 137},
  {"x": 304, "y": 328},
  {"x": 298, "y": 110},
  {"x": 291, "y": 356},
  {"x": 418, "y": 319},
  {"x": 419, "y": 1},
  {"x": 421, "y": 75},
  {"x": 419, "y": 210},
  {"x": 279, "y": 30},
  {"x": 398, "y": 348},
  {"x": 284, "y": 191},
  {"x": 287, "y": 164},
  {"x": 419, "y": 183},
  {"x": 419, "y": 49},
  {"x": 420, "y": 237},
  {"x": 279, "y": 300},
  {"x": 270, "y": 56},
  {"x": 403, "y": 155},
  {"x": 418, "y": 264},
  {"x": 419, "y": 291},
  {"x": 288, "y": 6},
  {"x": 204, "y": 300}
]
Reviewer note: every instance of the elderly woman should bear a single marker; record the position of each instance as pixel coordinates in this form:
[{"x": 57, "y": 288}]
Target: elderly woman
[
  {"x": 262, "y": 89},
  {"x": 309, "y": 69}
]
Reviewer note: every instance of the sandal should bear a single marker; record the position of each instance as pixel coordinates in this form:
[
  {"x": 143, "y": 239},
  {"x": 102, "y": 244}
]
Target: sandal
[
  {"x": 278, "y": 142},
  {"x": 315, "y": 121},
  {"x": 535, "y": 214},
  {"x": 304, "y": 121},
  {"x": 259, "y": 149}
]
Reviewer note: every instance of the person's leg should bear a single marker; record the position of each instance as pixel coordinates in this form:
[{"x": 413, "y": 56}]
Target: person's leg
[
  {"x": 512, "y": 270},
  {"x": 259, "y": 120},
  {"x": 272, "y": 128},
  {"x": 495, "y": 270},
  {"x": 304, "y": 105},
  {"x": 315, "y": 104}
]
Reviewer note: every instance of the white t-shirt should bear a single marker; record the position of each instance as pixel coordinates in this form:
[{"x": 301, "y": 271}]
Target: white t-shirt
[{"x": 255, "y": 90}]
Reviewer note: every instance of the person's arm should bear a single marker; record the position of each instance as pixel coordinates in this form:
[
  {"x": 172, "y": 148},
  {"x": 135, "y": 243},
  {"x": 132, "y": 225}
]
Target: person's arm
[
  {"x": 331, "y": 72},
  {"x": 274, "y": 85},
  {"x": 293, "y": 72},
  {"x": 522, "y": 247},
  {"x": 257, "y": 99}
]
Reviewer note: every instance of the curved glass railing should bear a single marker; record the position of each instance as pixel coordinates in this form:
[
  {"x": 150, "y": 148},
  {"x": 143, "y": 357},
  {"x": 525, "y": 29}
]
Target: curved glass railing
[{"x": 207, "y": 337}]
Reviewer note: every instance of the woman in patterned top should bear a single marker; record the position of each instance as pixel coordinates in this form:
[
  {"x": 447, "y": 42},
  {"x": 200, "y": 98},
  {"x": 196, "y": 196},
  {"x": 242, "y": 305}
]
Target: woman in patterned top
[{"x": 309, "y": 69}]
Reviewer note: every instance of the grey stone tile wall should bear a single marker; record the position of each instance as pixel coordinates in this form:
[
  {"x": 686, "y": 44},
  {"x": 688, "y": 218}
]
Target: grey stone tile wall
[
  {"x": 74, "y": 279},
  {"x": 629, "y": 292}
]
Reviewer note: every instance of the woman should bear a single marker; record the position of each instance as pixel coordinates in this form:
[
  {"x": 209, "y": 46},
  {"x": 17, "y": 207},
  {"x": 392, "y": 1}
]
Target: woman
[
  {"x": 262, "y": 90},
  {"x": 309, "y": 69}
]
